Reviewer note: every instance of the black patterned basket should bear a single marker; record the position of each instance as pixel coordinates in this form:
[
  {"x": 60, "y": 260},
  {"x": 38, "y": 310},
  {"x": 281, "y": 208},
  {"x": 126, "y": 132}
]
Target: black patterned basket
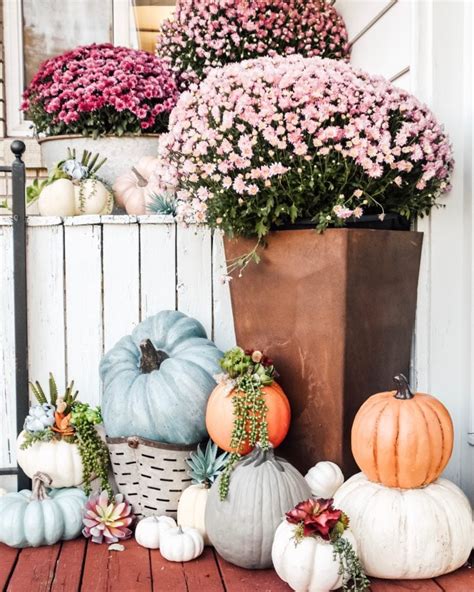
[{"x": 151, "y": 475}]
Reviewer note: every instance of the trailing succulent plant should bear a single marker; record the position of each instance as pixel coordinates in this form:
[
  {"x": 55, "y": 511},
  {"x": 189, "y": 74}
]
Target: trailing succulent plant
[
  {"x": 66, "y": 418},
  {"x": 206, "y": 465},
  {"x": 107, "y": 518}
]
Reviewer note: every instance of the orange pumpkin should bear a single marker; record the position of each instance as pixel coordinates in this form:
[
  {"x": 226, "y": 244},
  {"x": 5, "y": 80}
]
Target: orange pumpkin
[
  {"x": 220, "y": 416},
  {"x": 401, "y": 439}
]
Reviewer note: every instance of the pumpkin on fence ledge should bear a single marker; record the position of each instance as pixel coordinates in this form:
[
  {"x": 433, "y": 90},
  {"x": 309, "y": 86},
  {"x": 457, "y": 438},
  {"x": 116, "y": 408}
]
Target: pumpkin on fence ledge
[
  {"x": 132, "y": 190},
  {"x": 158, "y": 379},
  {"x": 401, "y": 439}
]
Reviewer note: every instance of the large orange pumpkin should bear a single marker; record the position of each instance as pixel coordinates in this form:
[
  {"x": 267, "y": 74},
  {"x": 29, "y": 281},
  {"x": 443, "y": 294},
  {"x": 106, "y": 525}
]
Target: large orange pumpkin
[
  {"x": 220, "y": 416},
  {"x": 401, "y": 439}
]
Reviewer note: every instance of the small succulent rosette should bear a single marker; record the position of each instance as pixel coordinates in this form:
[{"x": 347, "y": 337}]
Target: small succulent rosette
[
  {"x": 107, "y": 518},
  {"x": 316, "y": 541}
]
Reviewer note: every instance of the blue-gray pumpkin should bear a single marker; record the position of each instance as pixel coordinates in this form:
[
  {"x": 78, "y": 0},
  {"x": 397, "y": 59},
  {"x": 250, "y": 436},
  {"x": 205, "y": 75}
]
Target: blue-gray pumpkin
[
  {"x": 158, "y": 379},
  {"x": 38, "y": 517}
]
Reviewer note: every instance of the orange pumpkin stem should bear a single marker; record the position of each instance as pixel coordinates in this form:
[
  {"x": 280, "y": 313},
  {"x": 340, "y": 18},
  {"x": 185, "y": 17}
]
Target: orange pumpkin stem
[{"x": 403, "y": 388}]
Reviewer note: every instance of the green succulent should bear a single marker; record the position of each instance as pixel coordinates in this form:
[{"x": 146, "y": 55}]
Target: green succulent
[
  {"x": 162, "y": 204},
  {"x": 206, "y": 465}
]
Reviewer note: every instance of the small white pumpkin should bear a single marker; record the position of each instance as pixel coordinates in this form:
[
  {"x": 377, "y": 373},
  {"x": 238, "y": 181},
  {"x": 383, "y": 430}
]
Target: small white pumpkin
[
  {"x": 149, "y": 530},
  {"x": 57, "y": 199},
  {"x": 58, "y": 459},
  {"x": 181, "y": 544},
  {"x": 192, "y": 509},
  {"x": 408, "y": 533},
  {"x": 309, "y": 565},
  {"x": 324, "y": 479},
  {"x": 91, "y": 196},
  {"x": 132, "y": 192}
]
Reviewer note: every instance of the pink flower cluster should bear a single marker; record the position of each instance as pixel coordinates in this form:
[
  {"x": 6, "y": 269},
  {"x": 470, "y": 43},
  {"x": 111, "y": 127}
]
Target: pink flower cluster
[
  {"x": 267, "y": 141},
  {"x": 209, "y": 33},
  {"x": 101, "y": 89}
]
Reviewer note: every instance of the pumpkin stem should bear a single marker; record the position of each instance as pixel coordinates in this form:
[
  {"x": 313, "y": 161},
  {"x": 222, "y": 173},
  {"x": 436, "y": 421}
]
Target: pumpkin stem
[
  {"x": 152, "y": 358},
  {"x": 180, "y": 530},
  {"x": 260, "y": 455},
  {"x": 403, "y": 388},
  {"x": 142, "y": 182},
  {"x": 40, "y": 482}
]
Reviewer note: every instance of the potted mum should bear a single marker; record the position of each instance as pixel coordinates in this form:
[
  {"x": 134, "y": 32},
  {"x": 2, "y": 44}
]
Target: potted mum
[
  {"x": 203, "y": 34},
  {"x": 101, "y": 98},
  {"x": 277, "y": 145}
]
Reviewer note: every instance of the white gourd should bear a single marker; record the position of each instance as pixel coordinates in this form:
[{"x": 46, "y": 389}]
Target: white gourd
[
  {"x": 57, "y": 199},
  {"x": 192, "y": 509},
  {"x": 149, "y": 530},
  {"x": 57, "y": 458},
  {"x": 324, "y": 479},
  {"x": 91, "y": 196},
  {"x": 308, "y": 566},
  {"x": 408, "y": 533},
  {"x": 181, "y": 544}
]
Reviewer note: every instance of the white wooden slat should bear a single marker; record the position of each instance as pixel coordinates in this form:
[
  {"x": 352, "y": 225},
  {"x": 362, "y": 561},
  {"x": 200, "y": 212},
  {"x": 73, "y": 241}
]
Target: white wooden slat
[
  {"x": 7, "y": 350},
  {"x": 194, "y": 275},
  {"x": 157, "y": 268},
  {"x": 358, "y": 14},
  {"x": 224, "y": 333},
  {"x": 121, "y": 281},
  {"x": 46, "y": 327},
  {"x": 385, "y": 48},
  {"x": 83, "y": 292}
]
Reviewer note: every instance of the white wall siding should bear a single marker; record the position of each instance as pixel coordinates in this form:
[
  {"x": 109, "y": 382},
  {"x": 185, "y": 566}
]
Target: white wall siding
[{"x": 91, "y": 279}]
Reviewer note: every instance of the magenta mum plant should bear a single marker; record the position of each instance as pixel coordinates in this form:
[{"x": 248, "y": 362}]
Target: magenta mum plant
[
  {"x": 207, "y": 33},
  {"x": 101, "y": 89},
  {"x": 273, "y": 140}
]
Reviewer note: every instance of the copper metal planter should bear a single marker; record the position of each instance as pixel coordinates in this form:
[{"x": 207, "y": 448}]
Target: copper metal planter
[{"x": 336, "y": 312}]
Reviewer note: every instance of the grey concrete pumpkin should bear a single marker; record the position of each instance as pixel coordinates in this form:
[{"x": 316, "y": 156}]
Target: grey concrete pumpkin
[{"x": 262, "y": 489}]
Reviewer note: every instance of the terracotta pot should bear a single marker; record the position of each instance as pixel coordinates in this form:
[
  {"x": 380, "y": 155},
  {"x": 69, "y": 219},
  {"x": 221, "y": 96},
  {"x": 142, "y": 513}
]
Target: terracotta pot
[{"x": 336, "y": 312}]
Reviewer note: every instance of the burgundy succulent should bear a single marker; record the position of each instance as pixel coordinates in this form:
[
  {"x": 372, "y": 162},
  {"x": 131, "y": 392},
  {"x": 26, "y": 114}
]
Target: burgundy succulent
[{"x": 318, "y": 518}]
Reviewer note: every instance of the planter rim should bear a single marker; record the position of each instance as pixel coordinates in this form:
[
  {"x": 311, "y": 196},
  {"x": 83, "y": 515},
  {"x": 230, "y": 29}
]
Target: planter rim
[
  {"x": 152, "y": 443},
  {"x": 77, "y": 136}
]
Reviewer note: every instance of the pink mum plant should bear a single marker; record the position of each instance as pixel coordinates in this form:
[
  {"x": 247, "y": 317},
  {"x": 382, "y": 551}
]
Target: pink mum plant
[
  {"x": 207, "y": 33},
  {"x": 107, "y": 520},
  {"x": 269, "y": 141},
  {"x": 101, "y": 89}
]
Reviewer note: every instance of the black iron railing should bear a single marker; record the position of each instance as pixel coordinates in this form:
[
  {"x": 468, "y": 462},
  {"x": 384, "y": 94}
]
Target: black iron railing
[{"x": 17, "y": 171}]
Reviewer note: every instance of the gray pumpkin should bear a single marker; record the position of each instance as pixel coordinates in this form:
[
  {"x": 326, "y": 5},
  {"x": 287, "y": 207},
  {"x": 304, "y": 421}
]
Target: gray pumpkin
[{"x": 262, "y": 489}]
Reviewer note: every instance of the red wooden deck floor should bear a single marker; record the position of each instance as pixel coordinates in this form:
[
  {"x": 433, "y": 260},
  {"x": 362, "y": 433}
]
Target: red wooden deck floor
[{"x": 80, "y": 566}]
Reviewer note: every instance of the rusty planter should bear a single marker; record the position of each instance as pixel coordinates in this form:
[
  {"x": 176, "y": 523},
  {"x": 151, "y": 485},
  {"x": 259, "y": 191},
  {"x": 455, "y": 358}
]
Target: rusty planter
[{"x": 336, "y": 312}]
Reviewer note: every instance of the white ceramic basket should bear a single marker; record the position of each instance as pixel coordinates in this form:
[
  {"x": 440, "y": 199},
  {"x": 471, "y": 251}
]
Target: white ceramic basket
[
  {"x": 121, "y": 152},
  {"x": 151, "y": 475}
]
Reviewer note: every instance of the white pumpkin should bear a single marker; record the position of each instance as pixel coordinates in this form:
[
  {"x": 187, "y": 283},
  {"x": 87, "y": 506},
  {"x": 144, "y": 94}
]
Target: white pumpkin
[
  {"x": 91, "y": 196},
  {"x": 309, "y": 565},
  {"x": 181, "y": 544},
  {"x": 58, "y": 459},
  {"x": 192, "y": 509},
  {"x": 132, "y": 192},
  {"x": 408, "y": 533},
  {"x": 57, "y": 199},
  {"x": 149, "y": 530},
  {"x": 324, "y": 479}
]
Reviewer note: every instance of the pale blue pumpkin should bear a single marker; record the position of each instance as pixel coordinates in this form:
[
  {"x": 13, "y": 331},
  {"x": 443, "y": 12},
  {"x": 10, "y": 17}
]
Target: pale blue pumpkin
[
  {"x": 158, "y": 379},
  {"x": 36, "y": 518}
]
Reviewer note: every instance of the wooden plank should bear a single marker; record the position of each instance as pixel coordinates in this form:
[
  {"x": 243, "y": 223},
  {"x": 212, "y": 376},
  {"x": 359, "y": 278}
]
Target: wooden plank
[
  {"x": 83, "y": 288},
  {"x": 157, "y": 268},
  {"x": 386, "y": 47},
  {"x": 67, "y": 577},
  {"x": 194, "y": 274},
  {"x": 96, "y": 568},
  {"x": 7, "y": 350},
  {"x": 46, "y": 328},
  {"x": 34, "y": 571},
  {"x": 237, "y": 579},
  {"x": 203, "y": 573},
  {"x": 224, "y": 332},
  {"x": 130, "y": 569},
  {"x": 167, "y": 576},
  {"x": 121, "y": 281},
  {"x": 8, "y": 558},
  {"x": 377, "y": 585},
  {"x": 461, "y": 580}
]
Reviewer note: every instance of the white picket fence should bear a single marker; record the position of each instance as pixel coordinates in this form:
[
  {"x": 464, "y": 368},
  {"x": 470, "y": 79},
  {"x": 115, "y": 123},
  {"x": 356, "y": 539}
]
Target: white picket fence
[{"x": 91, "y": 279}]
